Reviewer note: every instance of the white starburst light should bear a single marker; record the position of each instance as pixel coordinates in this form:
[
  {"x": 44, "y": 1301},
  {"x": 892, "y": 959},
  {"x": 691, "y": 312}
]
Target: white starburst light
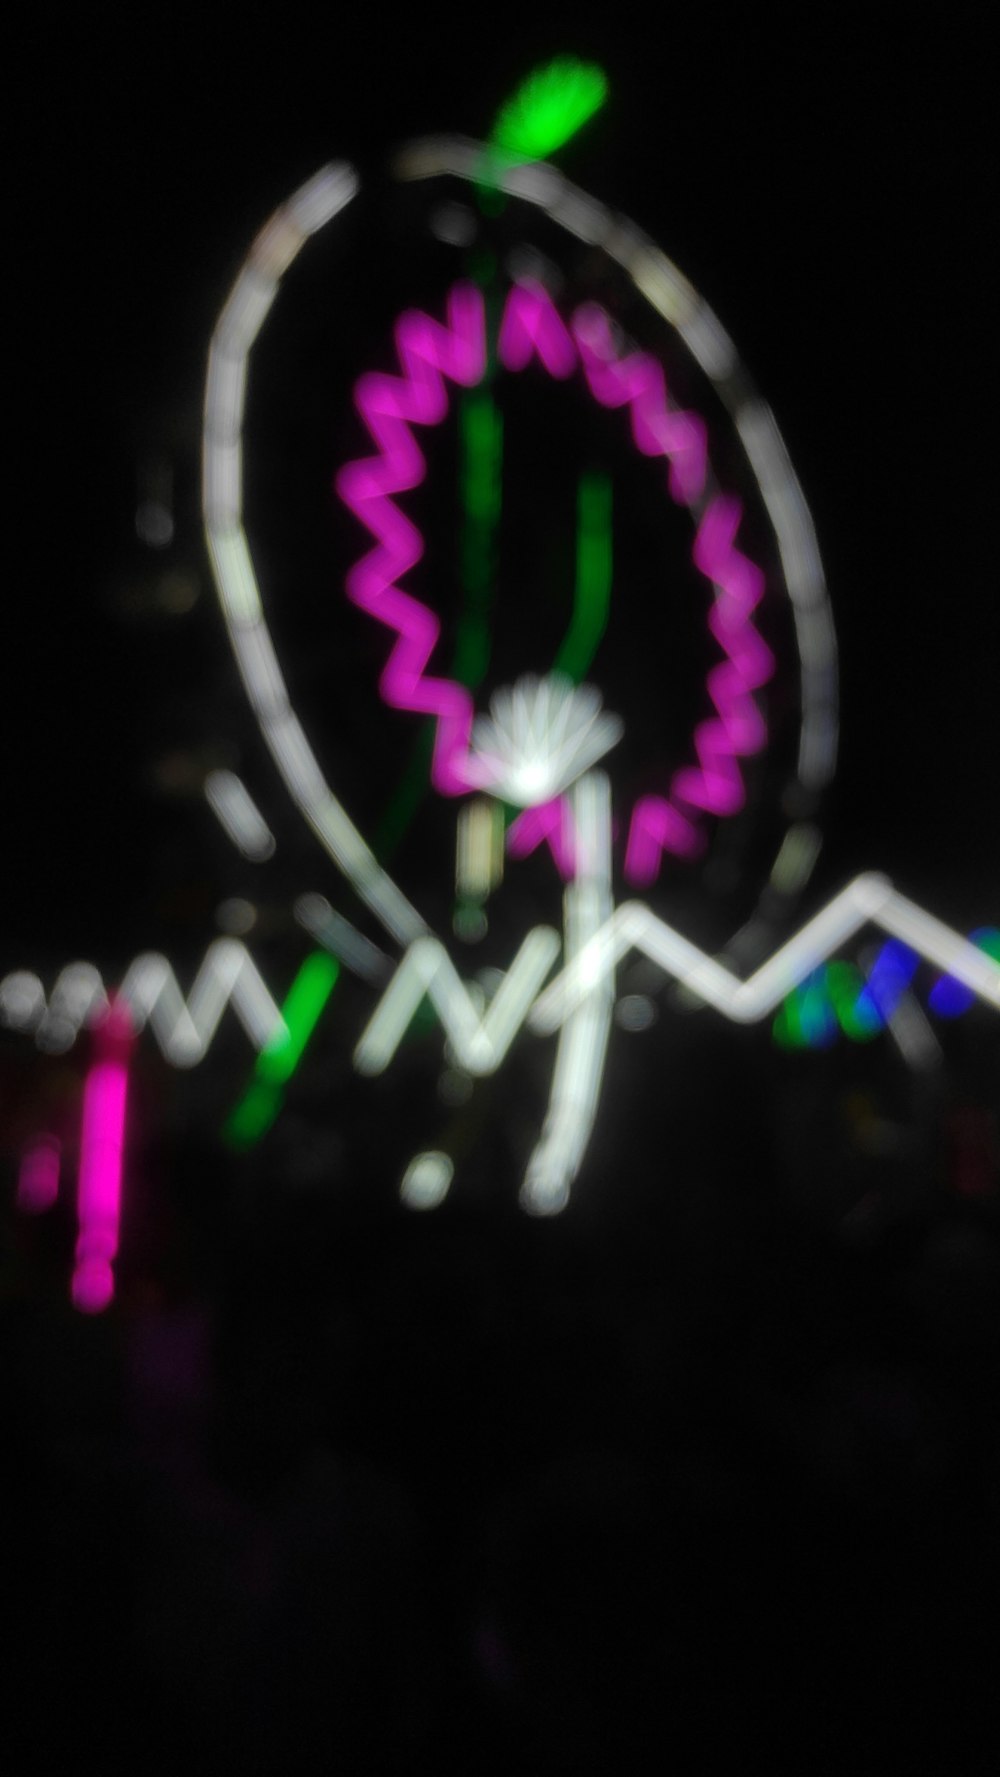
[{"x": 539, "y": 737}]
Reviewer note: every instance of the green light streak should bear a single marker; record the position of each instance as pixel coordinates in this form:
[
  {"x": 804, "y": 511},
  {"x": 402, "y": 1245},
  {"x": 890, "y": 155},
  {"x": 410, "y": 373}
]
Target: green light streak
[
  {"x": 279, "y": 1058},
  {"x": 480, "y": 486},
  {"x": 804, "y": 1019},
  {"x": 549, "y": 107},
  {"x": 787, "y": 1027},
  {"x": 857, "y": 1018},
  {"x": 592, "y": 593},
  {"x": 406, "y": 798}
]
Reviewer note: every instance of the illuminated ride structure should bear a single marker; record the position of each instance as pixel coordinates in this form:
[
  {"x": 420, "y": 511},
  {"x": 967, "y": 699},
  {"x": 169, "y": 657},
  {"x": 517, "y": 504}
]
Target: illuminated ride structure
[{"x": 551, "y": 335}]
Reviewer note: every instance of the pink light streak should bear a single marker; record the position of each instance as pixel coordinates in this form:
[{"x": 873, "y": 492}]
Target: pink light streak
[
  {"x": 637, "y": 381},
  {"x": 548, "y": 823},
  {"x": 531, "y": 328},
  {"x": 101, "y": 1156},
  {"x": 38, "y": 1175},
  {"x": 389, "y": 406}
]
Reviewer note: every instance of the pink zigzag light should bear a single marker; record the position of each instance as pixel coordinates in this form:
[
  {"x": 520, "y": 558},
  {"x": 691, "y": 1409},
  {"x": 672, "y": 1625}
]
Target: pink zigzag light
[
  {"x": 531, "y": 327},
  {"x": 389, "y": 406},
  {"x": 548, "y": 822}
]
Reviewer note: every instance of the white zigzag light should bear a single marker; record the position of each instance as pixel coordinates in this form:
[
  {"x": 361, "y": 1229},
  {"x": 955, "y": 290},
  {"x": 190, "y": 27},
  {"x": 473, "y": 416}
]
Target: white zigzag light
[{"x": 184, "y": 1029}]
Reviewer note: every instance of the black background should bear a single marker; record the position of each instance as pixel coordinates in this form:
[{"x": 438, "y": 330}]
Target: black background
[{"x": 700, "y": 1469}]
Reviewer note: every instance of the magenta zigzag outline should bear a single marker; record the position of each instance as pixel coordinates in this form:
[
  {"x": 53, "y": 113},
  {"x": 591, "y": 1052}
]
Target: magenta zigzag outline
[{"x": 428, "y": 352}]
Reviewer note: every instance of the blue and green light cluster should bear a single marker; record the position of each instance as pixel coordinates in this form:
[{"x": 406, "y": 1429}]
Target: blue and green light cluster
[{"x": 838, "y": 998}]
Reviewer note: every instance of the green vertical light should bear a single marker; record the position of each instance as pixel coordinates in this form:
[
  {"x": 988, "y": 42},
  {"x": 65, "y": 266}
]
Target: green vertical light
[
  {"x": 594, "y": 568},
  {"x": 480, "y": 487},
  {"x": 407, "y": 796},
  {"x": 279, "y": 1058},
  {"x": 787, "y": 1027},
  {"x": 856, "y": 1016}
]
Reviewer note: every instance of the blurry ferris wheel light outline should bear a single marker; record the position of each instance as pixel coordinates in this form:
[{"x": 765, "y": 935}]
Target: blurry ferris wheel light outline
[{"x": 668, "y": 293}]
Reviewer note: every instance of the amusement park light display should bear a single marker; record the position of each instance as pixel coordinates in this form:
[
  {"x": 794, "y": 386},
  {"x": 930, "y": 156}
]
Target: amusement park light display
[{"x": 527, "y": 765}]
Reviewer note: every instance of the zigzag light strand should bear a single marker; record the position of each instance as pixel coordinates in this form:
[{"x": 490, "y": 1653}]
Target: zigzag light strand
[
  {"x": 531, "y": 328},
  {"x": 151, "y": 995}
]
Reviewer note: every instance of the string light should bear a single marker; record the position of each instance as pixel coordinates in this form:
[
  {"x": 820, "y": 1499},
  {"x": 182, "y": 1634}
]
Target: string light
[{"x": 531, "y": 327}]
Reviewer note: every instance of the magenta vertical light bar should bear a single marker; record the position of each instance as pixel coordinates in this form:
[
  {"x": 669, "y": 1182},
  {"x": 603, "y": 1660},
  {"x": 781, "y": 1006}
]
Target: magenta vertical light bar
[
  {"x": 102, "y": 1148},
  {"x": 38, "y": 1175}
]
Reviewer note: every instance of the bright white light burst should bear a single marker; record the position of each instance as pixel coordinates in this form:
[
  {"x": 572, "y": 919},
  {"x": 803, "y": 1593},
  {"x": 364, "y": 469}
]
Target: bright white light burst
[{"x": 539, "y": 737}]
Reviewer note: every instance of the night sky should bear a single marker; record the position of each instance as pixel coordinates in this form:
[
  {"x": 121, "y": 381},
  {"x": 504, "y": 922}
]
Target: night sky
[
  {"x": 827, "y": 192},
  {"x": 509, "y": 1495}
]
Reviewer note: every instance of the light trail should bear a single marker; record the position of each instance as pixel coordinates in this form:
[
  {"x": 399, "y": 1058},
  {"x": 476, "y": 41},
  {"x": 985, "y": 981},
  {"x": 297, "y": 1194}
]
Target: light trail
[
  {"x": 281, "y": 1055},
  {"x": 102, "y": 1149},
  {"x": 151, "y": 994},
  {"x": 238, "y": 815},
  {"x": 868, "y": 900}
]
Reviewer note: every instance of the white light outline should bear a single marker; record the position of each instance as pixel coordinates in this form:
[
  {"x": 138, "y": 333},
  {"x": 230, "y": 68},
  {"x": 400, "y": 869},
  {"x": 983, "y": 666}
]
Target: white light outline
[
  {"x": 238, "y": 815},
  {"x": 184, "y": 1029},
  {"x": 275, "y": 248},
  {"x": 676, "y": 301},
  {"x": 583, "y": 1038},
  {"x": 479, "y": 1040},
  {"x": 668, "y": 292},
  {"x": 869, "y": 899}
]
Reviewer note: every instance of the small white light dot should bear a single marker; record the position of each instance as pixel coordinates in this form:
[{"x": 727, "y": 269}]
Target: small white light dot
[{"x": 426, "y": 1180}]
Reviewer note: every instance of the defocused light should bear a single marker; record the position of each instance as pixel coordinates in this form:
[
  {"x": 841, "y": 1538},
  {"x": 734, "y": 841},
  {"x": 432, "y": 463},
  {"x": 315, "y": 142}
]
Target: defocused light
[
  {"x": 455, "y": 1086},
  {"x": 479, "y": 1041},
  {"x": 583, "y": 1038},
  {"x": 101, "y": 1157},
  {"x": 673, "y": 297},
  {"x": 38, "y": 1174},
  {"x": 794, "y": 863},
  {"x": 948, "y": 997},
  {"x": 239, "y": 816},
  {"x": 426, "y": 1180},
  {"x": 592, "y": 592},
  {"x": 636, "y": 1012},
  {"x": 428, "y": 353},
  {"x": 869, "y": 899},
  {"x": 454, "y": 223},
  {"x": 273, "y": 251},
  {"x": 282, "y": 1053},
  {"x": 549, "y": 107},
  {"x": 154, "y": 524},
  {"x": 236, "y": 916},
  {"x": 336, "y": 934},
  {"x": 150, "y": 993},
  {"x": 532, "y": 328}
]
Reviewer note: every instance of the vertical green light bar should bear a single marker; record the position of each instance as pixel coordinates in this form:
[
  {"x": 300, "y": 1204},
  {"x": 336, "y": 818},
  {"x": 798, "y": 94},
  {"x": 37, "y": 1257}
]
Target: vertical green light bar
[
  {"x": 279, "y": 1058},
  {"x": 407, "y": 796},
  {"x": 787, "y": 1027},
  {"x": 480, "y": 486},
  {"x": 594, "y": 570}
]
